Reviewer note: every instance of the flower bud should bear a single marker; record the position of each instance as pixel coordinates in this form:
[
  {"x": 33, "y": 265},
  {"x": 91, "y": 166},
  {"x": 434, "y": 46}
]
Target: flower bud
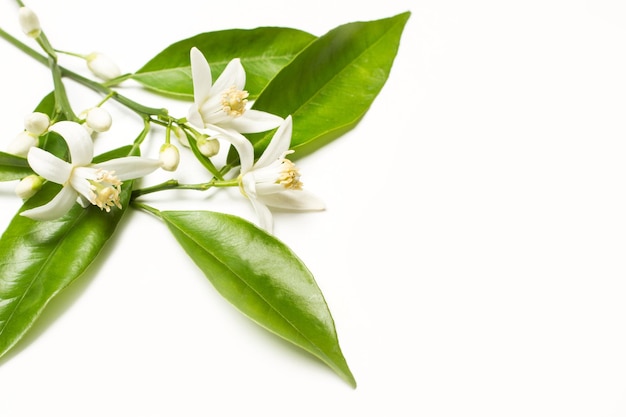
[
  {"x": 22, "y": 143},
  {"x": 98, "y": 119},
  {"x": 29, "y": 22},
  {"x": 169, "y": 157},
  {"x": 208, "y": 147},
  {"x": 102, "y": 66},
  {"x": 28, "y": 186},
  {"x": 181, "y": 136},
  {"x": 37, "y": 123}
]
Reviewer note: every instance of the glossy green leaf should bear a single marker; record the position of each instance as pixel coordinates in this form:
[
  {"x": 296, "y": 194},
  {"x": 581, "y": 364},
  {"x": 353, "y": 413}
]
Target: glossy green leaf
[
  {"x": 331, "y": 84},
  {"x": 263, "y": 278},
  {"x": 263, "y": 51},
  {"x": 13, "y": 167},
  {"x": 39, "y": 259}
]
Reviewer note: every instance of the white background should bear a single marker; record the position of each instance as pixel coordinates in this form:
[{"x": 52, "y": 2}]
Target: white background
[{"x": 472, "y": 252}]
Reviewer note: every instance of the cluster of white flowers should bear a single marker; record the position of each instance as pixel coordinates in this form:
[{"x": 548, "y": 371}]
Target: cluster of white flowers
[{"x": 221, "y": 111}]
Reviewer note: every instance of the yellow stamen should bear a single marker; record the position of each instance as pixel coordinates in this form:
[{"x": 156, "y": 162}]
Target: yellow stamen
[
  {"x": 106, "y": 189},
  {"x": 234, "y": 101},
  {"x": 289, "y": 177}
]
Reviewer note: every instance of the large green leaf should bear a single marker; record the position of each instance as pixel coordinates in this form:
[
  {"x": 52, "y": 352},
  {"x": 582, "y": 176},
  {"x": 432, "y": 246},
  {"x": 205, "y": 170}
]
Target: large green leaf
[
  {"x": 39, "y": 259},
  {"x": 13, "y": 167},
  {"x": 263, "y": 51},
  {"x": 263, "y": 278},
  {"x": 331, "y": 84}
]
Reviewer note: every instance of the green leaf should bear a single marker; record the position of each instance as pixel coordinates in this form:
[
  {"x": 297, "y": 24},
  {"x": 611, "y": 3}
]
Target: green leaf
[
  {"x": 331, "y": 84},
  {"x": 263, "y": 278},
  {"x": 40, "y": 259},
  {"x": 13, "y": 167},
  {"x": 263, "y": 52}
]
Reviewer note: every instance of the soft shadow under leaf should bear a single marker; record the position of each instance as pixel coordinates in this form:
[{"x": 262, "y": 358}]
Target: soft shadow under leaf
[{"x": 263, "y": 278}]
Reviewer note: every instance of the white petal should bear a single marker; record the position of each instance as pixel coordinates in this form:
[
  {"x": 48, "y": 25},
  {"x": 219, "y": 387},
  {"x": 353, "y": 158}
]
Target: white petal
[
  {"x": 253, "y": 121},
  {"x": 264, "y": 215},
  {"x": 293, "y": 200},
  {"x": 242, "y": 145},
  {"x": 194, "y": 117},
  {"x": 200, "y": 76},
  {"x": 55, "y": 208},
  {"x": 81, "y": 185},
  {"x": 130, "y": 167},
  {"x": 278, "y": 145},
  {"x": 49, "y": 166},
  {"x": 233, "y": 75},
  {"x": 78, "y": 141}
]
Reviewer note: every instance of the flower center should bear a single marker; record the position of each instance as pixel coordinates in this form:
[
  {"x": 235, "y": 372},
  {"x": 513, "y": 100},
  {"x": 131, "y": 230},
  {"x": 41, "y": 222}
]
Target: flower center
[
  {"x": 289, "y": 176},
  {"x": 105, "y": 190},
  {"x": 234, "y": 101}
]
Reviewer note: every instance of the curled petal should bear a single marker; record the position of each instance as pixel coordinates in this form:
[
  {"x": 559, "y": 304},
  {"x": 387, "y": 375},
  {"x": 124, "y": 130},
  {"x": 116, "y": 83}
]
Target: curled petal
[
  {"x": 49, "y": 166},
  {"x": 130, "y": 167},
  {"x": 194, "y": 117},
  {"x": 242, "y": 145},
  {"x": 201, "y": 76},
  {"x": 266, "y": 221},
  {"x": 233, "y": 75},
  {"x": 253, "y": 121},
  {"x": 292, "y": 200},
  {"x": 278, "y": 145},
  {"x": 78, "y": 141},
  {"x": 55, "y": 208}
]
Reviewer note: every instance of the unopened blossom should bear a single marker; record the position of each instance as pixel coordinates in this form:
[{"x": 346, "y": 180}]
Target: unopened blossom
[
  {"x": 208, "y": 146},
  {"x": 224, "y": 103},
  {"x": 181, "y": 136},
  {"x": 37, "y": 123},
  {"x": 29, "y": 22},
  {"x": 169, "y": 157},
  {"x": 274, "y": 180},
  {"x": 98, "y": 119},
  {"x": 28, "y": 186},
  {"x": 83, "y": 181},
  {"x": 102, "y": 66},
  {"x": 22, "y": 143}
]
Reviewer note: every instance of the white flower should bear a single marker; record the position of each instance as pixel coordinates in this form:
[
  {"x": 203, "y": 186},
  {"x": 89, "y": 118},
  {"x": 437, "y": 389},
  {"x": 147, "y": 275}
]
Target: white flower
[
  {"x": 225, "y": 103},
  {"x": 98, "y": 184},
  {"x": 102, "y": 66},
  {"x": 29, "y": 22},
  {"x": 273, "y": 181}
]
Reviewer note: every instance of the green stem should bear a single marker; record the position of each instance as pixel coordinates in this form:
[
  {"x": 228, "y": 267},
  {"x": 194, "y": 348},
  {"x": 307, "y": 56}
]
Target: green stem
[
  {"x": 60, "y": 94},
  {"x": 93, "y": 85},
  {"x": 147, "y": 208},
  {"x": 139, "y": 140},
  {"x": 175, "y": 185}
]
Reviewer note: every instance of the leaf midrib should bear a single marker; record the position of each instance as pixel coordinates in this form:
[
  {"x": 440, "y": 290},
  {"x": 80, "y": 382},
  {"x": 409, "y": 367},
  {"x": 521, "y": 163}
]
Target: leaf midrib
[
  {"x": 38, "y": 275},
  {"x": 253, "y": 290}
]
